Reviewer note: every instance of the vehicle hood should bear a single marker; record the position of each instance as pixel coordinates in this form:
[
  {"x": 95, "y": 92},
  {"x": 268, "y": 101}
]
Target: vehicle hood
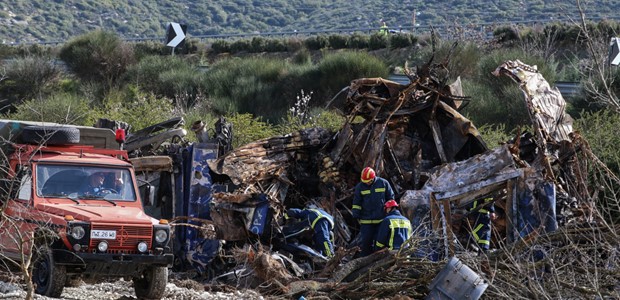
[{"x": 92, "y": 213}]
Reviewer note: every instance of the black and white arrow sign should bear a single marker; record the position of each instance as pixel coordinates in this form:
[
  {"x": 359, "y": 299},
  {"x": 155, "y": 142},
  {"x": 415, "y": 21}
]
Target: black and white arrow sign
[
  {"x": 175, "y": 34},
  {"x": 614, "y": 51}
]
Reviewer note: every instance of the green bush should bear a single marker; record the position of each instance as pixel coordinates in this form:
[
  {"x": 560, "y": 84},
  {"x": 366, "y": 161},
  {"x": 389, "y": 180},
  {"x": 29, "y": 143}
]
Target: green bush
[
  {"x": 29, "y": 77},
  {"x": 138, "y": 109},
  {"x": 601, "y": 131},
  {"x": 247, "y": 86},
  {"x": 507, "y": 35},
  {"x": 220, "y": 46},
  {"x": 378, "y": 41},
  {"x": 498, "y": 100},
  {"x": 401, "y": 40},
  {"x": 248, "y": 128},
  {"x": 99, "y": 56},
  {"x": 337, "y": 70},
  {"x": 294, "y": 44},
  {"x": 167, "y": 76},
  {"x": 258, "y": 44},
  {"x": 494, "y": 134},
  {"x": 275, "y": 45},
  {"x": 337, "y": 41},
  {"x": 302, "y": 57},
  {"x": 316, "y": 42},
  {"x": 148, "y": 48},
  {"x": 240, "y": 46},
  {"x": 358, "y": 41},
  {"x": 58, "y": 108}
]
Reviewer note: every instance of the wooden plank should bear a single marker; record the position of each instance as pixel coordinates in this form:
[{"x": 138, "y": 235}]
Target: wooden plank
[
  {"x": 437, "y": 137},
  {"x": 511, "y": 202},
  {"x": 448, "y": 215},
  {"x": 479, "y": 188}
]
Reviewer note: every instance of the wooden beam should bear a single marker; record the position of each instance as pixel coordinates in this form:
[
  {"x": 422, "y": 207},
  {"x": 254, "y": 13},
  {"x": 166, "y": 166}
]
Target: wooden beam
[{"x": 437, "y": 137}]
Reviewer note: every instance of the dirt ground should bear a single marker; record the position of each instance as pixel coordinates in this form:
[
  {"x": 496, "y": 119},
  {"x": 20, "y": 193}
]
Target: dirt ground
[{"x": 123, "y": 290}]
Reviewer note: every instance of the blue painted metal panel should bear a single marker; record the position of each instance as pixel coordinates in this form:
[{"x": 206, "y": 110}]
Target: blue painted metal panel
[{"x": 198, "y": 251}]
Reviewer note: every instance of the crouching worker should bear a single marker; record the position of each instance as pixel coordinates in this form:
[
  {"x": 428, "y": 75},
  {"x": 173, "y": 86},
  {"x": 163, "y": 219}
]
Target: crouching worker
[
  {"x": 321, "y": 222},
  {"x": 394, "y": 230}
]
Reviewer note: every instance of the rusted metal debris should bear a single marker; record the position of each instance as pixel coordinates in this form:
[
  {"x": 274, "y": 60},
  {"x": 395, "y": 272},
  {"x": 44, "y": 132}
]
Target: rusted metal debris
[{"x": 436, "y": 160}]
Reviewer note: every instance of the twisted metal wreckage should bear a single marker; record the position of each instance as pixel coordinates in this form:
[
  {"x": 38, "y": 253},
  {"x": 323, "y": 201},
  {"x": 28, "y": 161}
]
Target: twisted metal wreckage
[{"x": 437, "y": 162}]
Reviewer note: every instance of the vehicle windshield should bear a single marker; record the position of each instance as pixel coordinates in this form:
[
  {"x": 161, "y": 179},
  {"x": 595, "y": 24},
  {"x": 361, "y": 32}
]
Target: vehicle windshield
[{"x": 84, "y": 182}]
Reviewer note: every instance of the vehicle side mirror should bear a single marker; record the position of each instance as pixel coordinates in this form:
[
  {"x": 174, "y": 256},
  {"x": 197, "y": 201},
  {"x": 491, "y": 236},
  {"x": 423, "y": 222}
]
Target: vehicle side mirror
[{"x": 149, "y": 195}]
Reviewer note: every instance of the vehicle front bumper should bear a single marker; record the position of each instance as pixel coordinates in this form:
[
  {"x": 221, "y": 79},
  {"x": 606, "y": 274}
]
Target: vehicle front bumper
[{"x": 110, "y": 264}]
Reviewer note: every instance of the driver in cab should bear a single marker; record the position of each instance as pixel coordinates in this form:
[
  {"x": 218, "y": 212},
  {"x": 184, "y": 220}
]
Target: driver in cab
[{"x": 95, "y": 185}]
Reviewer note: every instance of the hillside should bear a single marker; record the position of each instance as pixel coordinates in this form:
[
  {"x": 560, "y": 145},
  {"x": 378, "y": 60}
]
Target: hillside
[{"x": 58, "y": 20}]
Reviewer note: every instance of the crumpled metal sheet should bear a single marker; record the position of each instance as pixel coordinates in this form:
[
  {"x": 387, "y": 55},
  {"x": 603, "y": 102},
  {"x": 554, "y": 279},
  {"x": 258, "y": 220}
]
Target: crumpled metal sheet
[
  {"x": 465, "y": 180},
  {"x": 546, "y": 105},
  {"x": 267, "y": 158},
  {"x": 407, "y": 129}
]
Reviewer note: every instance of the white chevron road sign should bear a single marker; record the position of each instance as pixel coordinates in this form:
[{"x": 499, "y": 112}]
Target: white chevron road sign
[
  {"x": 614, "y": 51},
  {"x": 175, "y": 34}
]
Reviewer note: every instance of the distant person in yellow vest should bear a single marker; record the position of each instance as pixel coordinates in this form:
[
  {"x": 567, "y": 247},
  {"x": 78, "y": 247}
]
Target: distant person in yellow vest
[{"x": 384, "y": 29}]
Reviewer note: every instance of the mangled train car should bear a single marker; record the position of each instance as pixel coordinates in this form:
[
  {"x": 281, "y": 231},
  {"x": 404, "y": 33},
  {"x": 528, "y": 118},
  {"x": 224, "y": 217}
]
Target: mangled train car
[{"x": 233, "y": 201}]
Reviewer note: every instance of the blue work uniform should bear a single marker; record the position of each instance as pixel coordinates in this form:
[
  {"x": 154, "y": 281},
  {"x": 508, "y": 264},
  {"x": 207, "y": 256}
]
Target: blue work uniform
[
  {"x": 481, "y": 232},
  {"x": 368, "y": 201},
  {"x": 321, "y": 222},
  {"x": 393, "y": 231}
]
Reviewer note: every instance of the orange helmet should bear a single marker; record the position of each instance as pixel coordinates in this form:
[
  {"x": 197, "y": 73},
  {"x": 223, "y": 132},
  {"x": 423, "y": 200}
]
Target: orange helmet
[
  {"x": 368, "y": 175},
  {"x": 390, "y": 204}
]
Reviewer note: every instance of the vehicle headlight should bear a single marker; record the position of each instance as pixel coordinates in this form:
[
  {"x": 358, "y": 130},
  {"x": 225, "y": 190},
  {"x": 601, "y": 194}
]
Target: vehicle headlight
[
  {"x": 78, "y": 232},
  {"x": 142, "y": 247},
  {"x": 161, "y": 235},
  {"x": 102, "y": 246}
]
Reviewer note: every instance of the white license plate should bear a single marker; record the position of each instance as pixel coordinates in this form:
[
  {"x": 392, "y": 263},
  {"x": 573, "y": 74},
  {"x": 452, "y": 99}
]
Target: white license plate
[{"x": 103, "y": 234}]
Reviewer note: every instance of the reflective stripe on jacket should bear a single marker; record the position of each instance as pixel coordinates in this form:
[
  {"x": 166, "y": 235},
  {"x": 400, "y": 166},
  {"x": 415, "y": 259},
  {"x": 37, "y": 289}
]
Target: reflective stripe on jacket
[
  {"x": 312, "y": 216},
  {"x": 485, "y": 201},
  {"x": 394, "y": 230},
  {"x": 368, "y": 200}
]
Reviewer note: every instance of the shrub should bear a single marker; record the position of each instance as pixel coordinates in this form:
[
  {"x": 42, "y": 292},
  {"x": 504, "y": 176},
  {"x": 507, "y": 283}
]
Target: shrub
[
  {"x": 498, "y": 99},
  {"x": 137, "y": 108},
  {"x": 358, "y": 41},
  {"x": 275, "y": 45},
  {"x": 58, "y": 108},
  {"x": 401, "y": 40},
  {"x": 337, "y": 70},
  {"x": 240, "y": 46},
  {"x": 29, "y": 77},
  {"x": 248, "y": 86},
  {"x": 149, "y": 48},
  {"x": 98, "y": 55},
  {"x": 316, "y": 42},
  {"x": 378, "y": 41},
  {"x": 248, "y": 128},
  {"x": 294, "y": 44},
  {"x": 506, "y": 35},
  {"x": 164, "y": 75},
  {"x": 337, "y": 41},
  {"x": 258, "y": 44},
  {"x": 302, "y": 57},
  {"x": 494, "y": 134},
  {"x": 220, "y": 46}
]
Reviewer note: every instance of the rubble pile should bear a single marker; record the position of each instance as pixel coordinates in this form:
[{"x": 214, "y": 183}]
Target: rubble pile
[{"x": 549, "y": 229}]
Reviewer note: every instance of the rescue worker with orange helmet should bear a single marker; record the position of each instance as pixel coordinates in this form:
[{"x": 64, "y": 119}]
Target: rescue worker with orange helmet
[
  {"x": 369, "y": 197},
  {"x": 394, "y": 230}
]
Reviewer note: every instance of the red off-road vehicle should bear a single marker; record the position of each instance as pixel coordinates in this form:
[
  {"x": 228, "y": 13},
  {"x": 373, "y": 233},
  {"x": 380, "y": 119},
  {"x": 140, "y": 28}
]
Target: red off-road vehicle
[{"x": 74, "y": 228}]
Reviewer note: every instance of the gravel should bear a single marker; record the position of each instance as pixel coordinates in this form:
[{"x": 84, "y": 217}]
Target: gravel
[{"x": 123, "y": 290}]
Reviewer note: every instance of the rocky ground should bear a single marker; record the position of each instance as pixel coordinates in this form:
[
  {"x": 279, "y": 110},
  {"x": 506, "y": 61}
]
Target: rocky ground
[{"x": 123, "y": 290}]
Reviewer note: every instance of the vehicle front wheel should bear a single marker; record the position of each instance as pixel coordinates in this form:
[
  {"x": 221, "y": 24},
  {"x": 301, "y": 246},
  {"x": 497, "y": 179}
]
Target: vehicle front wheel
[
  {"x": 48, "y": 277},
  {"x": 152, "y": 283}
]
